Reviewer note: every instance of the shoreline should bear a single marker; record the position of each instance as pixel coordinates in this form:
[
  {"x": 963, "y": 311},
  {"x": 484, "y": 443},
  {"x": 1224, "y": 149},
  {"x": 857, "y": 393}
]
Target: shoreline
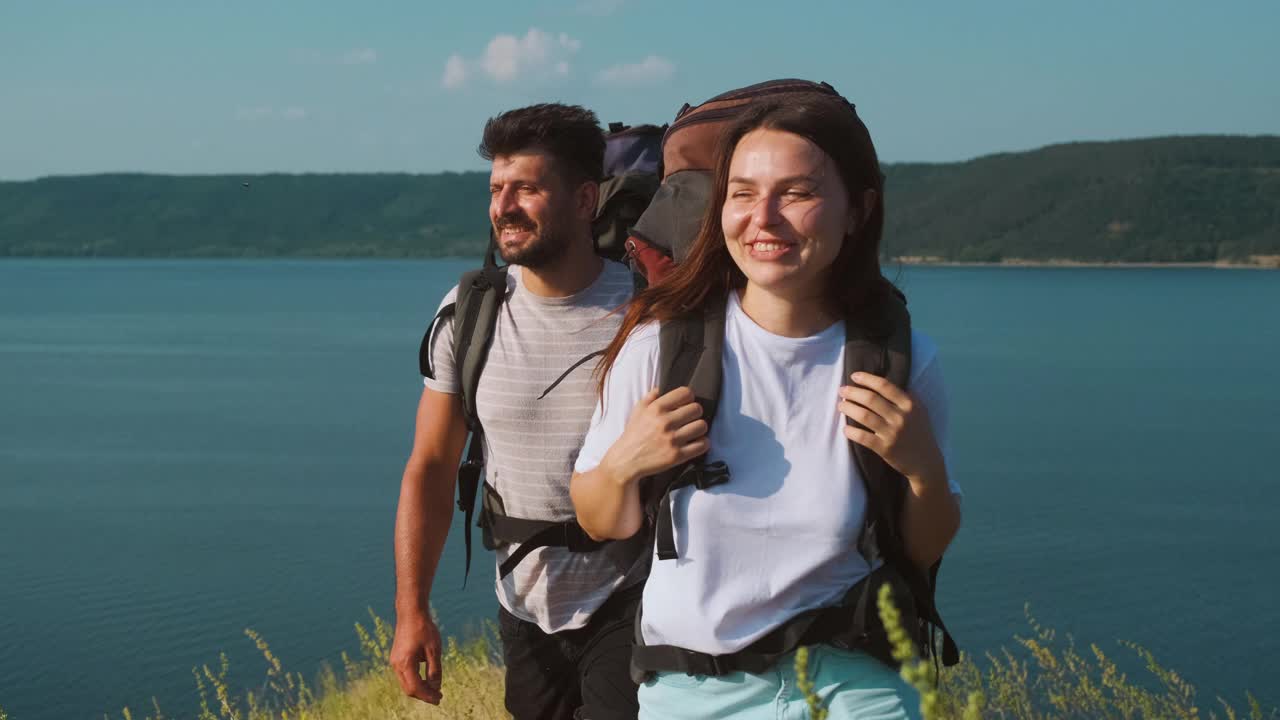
[
  {"x": 1256, "y": 262},
  {"x": 1259, "y": 262}
]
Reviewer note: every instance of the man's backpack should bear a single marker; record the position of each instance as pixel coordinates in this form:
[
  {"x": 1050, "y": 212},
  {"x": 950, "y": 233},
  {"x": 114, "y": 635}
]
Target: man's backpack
[{"x": 632, "y": 173}]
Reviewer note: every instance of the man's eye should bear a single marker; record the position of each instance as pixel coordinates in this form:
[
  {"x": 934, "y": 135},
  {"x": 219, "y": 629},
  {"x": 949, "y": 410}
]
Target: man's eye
[{"x": 797, "y": 194}]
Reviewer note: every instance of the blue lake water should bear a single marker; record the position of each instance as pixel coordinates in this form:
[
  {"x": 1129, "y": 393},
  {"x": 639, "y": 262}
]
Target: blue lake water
[{"x": 190, "y": 448}]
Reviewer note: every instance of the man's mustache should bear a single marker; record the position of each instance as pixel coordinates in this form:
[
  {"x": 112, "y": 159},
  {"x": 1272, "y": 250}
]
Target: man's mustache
[{"x": 517, "y": 222}]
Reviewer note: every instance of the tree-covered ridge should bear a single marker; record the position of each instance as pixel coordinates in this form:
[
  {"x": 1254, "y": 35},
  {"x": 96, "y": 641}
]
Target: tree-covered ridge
[
  {"x": 1177, "y": 199},
  {"x": 348, "y": 215}
]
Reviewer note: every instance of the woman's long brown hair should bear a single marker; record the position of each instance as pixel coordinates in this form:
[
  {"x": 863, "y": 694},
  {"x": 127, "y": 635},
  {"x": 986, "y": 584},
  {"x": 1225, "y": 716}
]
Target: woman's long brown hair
[{"x": 708, "y": 273}]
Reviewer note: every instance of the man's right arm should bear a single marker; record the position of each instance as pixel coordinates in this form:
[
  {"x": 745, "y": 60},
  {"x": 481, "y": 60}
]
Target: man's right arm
[{"x": 422, "y": 526}]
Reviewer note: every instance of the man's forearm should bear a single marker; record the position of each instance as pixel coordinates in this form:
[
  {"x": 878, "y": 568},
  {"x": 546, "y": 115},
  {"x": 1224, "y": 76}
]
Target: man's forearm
[{"x": 423, "y": 517}]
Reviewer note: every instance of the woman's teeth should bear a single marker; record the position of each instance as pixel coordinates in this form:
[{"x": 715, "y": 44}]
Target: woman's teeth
[{"x": 768, "y": 246}]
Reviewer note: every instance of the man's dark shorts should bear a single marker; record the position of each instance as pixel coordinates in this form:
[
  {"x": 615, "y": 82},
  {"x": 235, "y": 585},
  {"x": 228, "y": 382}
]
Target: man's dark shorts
[{"x": 581, "y": 674}]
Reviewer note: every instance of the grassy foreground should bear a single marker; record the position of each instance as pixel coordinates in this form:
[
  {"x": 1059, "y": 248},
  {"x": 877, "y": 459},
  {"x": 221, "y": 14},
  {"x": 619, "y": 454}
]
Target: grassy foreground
[{"x": 1039, "y": 678}]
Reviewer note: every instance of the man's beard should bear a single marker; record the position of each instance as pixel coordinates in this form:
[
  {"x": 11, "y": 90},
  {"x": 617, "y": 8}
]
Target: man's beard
[{"x": 547, "y": 245}]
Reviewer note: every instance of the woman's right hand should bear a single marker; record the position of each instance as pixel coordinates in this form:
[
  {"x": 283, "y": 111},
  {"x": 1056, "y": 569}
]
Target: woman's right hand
[{"x": 662, "y": 432}]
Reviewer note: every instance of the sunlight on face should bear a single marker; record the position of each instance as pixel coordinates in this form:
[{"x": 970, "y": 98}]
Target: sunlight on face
[
  {"x": 529, "y": 207},
  {"x": 786, "y": 212}
]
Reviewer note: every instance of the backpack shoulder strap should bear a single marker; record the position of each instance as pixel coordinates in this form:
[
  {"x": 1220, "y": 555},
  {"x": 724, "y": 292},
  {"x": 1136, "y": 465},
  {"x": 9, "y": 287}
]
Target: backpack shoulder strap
[
  {"x": 880, "y": 343},
  {"x": 480, "y": 295},
  {"x": 689, "y": 353}
]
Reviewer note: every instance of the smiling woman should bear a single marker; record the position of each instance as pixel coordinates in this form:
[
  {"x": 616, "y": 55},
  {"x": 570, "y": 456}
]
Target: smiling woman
[
  {"x": 802, "y": 464},
  {"x": 787, "y": 215}
]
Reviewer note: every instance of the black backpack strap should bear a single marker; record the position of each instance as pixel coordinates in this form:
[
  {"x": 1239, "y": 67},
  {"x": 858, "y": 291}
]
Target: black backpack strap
[
  {"x": 533, "y": 534},
  {"x": 852, "y": 624},
  {"x": 480, "y": 295},
  {"x": 424, "y": 350},
  {"x": 689, "y": 350},
  {"x": 579, "y": 363},
  {"x": 879, "y": 342},
  {"x": 468, "y": 481}
]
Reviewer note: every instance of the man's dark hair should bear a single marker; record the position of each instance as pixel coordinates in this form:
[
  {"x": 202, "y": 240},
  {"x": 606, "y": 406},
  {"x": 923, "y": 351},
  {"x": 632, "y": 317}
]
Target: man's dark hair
[{"x": 570, "y": 134}]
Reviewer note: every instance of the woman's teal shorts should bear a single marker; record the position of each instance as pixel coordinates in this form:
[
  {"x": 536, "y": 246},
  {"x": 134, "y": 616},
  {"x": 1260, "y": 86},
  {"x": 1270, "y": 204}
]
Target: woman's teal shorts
[{"x": 851, "y": 685}]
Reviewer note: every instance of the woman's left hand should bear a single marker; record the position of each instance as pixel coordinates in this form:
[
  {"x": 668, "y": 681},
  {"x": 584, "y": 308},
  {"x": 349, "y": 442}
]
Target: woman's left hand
[{"x": 898, "y": 428}]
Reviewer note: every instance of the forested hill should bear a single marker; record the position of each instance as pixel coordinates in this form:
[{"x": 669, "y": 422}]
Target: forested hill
[{"x": 1178, "y": 199}]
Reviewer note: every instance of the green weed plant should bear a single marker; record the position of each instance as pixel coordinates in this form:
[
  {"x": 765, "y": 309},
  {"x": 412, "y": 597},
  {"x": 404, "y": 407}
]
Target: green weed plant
[
  {"x": 1050, "y": 683},
  {"x": 1039, "y": 679}
]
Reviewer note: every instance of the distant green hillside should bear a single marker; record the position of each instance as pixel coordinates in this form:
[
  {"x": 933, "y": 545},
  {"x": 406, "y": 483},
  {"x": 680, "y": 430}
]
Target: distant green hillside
[
  {"x": 373, "y": 215},
  {"x": 1179, "y": 199}
]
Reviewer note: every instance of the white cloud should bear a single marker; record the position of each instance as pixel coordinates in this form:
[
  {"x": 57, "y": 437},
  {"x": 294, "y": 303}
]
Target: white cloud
[
  {"x": 359, "y": 56},
  {"x": 569, "y": 43},
  {"x": 502, "y": 58},
  {"x": 455, "y": 72},
  {"x": 266, "y": 112},
  {"x": 598, "y": 7},
  {"x": 507, "y": 58},
  {"x": 651, "y": 70}
]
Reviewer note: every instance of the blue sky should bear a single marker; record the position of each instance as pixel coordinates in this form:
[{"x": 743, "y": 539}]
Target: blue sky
[{"x": 394, "y": 85}]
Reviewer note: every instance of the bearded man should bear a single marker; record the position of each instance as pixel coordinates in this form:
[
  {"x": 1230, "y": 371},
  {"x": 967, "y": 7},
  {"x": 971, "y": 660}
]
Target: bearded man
[{"x": 566, "y": 615}]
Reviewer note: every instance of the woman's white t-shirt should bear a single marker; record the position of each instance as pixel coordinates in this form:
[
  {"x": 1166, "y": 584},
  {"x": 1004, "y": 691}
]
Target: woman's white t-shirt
[{"x": 781, "y": 536}]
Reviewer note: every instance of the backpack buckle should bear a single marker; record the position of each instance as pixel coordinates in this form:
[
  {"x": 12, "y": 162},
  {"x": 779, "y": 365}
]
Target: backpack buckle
[
  {"x": 468, "y": 481},
  {"x": 704, "y": 475},
  {"x": 706, "y": 664}
]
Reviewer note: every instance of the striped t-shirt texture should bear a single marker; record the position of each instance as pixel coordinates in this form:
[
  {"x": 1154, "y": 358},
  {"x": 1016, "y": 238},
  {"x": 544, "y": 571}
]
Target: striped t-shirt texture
[{"x": 531, "y": 444}]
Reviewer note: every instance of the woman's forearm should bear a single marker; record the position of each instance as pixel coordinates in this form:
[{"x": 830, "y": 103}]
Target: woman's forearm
[
  {"x": 607, "y": 503},
  {"x": 930, "y": 517}
]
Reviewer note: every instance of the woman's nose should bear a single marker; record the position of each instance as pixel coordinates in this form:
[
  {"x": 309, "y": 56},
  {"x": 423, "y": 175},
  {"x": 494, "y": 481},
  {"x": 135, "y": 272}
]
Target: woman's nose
[{"x": 767, "y": 211}]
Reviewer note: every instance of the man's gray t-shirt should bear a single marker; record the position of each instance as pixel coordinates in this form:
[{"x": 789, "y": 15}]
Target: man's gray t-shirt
[{"x": 531, "y": 444}]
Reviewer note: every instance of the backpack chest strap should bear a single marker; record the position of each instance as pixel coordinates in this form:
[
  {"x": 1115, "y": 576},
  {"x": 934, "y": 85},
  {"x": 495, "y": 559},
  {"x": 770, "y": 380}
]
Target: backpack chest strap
[{"x": 527, "y": 535}]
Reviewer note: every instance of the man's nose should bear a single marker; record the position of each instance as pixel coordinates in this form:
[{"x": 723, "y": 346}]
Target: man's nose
[{"x": 504, "y": 202}]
